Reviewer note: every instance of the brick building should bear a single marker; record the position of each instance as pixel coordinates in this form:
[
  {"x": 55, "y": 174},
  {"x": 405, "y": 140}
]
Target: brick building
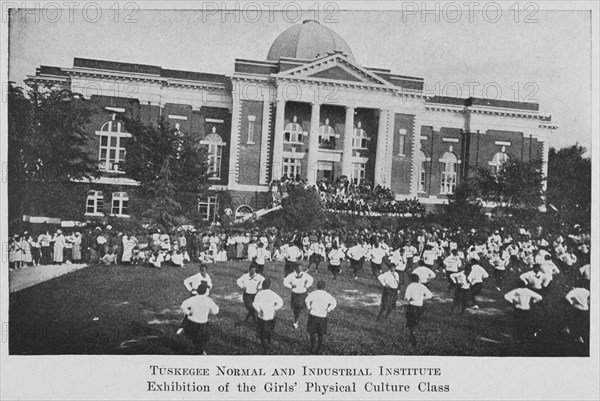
[{"x": 308, "y": 110}]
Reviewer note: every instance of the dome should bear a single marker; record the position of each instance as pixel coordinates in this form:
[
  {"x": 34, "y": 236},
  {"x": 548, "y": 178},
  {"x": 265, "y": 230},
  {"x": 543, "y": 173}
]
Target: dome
[{"x": 307, "y": 41}]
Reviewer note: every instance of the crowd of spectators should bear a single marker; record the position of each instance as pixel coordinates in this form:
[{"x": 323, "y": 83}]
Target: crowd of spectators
[
  {"x": 533, "y": 255},
  {"x": 344, "y": 195}
]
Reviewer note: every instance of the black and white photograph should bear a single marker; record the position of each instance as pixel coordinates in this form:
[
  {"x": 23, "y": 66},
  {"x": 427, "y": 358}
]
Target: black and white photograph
[{"x": 205, "y": 184}]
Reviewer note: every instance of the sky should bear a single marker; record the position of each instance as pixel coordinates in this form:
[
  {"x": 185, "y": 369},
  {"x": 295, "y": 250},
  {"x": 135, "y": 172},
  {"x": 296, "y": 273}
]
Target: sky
[{"x": 542, "y": 56}]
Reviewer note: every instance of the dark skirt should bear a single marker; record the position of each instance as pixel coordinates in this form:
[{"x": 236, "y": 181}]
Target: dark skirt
[
  {"x": 413, "y": 315},
  {"x": 298, "y": 301},
  {"x": 248, "y": 301},
  {"x": 335, "y": 269},
  {"x": 315, "y": 258},
  {"x": 265, "y": 328},
  {"x": 316, "y": 325}
]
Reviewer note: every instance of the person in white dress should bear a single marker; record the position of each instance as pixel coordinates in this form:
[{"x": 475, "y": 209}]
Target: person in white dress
[{"x": 59, "y": 246}]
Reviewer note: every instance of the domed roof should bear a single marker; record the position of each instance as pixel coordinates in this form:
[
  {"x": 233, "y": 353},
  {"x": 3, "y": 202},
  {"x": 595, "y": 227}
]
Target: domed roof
[{"x": 307, "y": 41}]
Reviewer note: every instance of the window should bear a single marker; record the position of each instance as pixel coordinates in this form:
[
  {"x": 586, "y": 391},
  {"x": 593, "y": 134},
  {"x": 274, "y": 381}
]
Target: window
[
  {"x": 449, "y": 162},
  {"x": 401, "y": 142},
  {"x": 422, "y": 171},
  {"x": 497, "y": 161},
  {"x": 208, "y": 209},
  {"x": 327, "y": 136},
  {"x": 243, "y": 211},
  {"x": 293, "y": 132},
  {"x": 120, "y": 203},
  {"x": 112, "y": 149},
  {"x": 292, "y": 168},
  {"x": 94, "y": 203},
  {"x": 251, "y": 120},
  {"x": 358, "y": 172},
  {"x": 215, "y": 153},
  {"x": 360, "y": 140}
]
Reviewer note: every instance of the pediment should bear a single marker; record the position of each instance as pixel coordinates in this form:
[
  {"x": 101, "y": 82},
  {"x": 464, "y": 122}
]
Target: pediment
[{"x": 334, "y": 67}]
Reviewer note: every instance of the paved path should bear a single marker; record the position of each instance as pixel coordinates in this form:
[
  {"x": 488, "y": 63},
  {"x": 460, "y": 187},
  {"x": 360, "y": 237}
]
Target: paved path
[{"x": 30, "y": 276}]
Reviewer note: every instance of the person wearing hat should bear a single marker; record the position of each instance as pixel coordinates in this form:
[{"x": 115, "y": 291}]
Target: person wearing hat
[
  {"x": 319, "y": 303},
  {"x": 266, "y": 304},
  {"x": 196, "y": 310}
]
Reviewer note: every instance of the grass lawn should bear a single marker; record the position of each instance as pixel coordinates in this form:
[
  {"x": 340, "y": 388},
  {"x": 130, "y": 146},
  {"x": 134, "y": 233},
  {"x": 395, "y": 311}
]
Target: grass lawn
[{"x": 135, "y": 310}]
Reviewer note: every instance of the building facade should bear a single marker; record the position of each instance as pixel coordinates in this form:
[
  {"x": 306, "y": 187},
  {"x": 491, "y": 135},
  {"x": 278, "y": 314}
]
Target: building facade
[{"x": 309, "y": 111}]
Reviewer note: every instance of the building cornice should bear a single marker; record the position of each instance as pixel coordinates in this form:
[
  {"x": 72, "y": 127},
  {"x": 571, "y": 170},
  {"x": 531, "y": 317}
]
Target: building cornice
[{"x": 140, "y": 77}]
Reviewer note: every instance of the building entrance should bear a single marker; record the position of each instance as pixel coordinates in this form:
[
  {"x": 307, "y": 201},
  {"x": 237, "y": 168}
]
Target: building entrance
[{"x": 325, "y": 172}]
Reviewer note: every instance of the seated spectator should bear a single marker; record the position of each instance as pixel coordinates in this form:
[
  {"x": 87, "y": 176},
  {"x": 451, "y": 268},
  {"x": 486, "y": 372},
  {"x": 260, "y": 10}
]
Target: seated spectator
[{"x": 110, "y": 258}]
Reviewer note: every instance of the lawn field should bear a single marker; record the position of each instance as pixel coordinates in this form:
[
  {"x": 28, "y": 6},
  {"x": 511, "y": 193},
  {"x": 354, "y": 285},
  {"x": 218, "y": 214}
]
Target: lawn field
[{"x": 135, "y": 310}]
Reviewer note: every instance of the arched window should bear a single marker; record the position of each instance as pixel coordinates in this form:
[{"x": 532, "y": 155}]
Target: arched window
[
  {"x": 497, "y": 161},
  {"x": 293, "y": 132},
  {"x": 327, "y": 136},
  {"x": 215, "y": 153},
  {"x": 112, "y": 146},
  {"x": 421, "y": 171},
  {"x": 449, "y": 168},
  {"x": 243, "y": 211},
  {"x": 360, "y": 139}
]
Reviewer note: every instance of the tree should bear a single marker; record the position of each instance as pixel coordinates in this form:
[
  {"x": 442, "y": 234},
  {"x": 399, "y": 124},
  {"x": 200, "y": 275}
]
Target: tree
[
  {"x": 570, "y": 183},
  {"x": 516, "y": 187},
  {"x": 46, "y": 149},
  {"x": 300, "y": 210},
  {"x": 465, "y": 207},
  {"x": 172, "y": 169}
]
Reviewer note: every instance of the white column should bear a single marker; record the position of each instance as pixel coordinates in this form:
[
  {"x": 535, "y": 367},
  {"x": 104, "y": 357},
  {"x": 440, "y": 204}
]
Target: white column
[
  {"x": 415, "y": 160},
  {"x": 264, "y": 143},
  {"x": 380, "y": 154},
  {"x": 390, "y": 149},
  {"x": 277, "y": 165},
  {"x": 313, "y": 144},
  {"x": 233, "y": 148},
  {"x": 348, "y": 134}
]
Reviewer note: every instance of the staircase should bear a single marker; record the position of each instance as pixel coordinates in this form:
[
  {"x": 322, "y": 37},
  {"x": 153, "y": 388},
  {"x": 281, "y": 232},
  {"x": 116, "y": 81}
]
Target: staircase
[{"x": 258, "y": 214}]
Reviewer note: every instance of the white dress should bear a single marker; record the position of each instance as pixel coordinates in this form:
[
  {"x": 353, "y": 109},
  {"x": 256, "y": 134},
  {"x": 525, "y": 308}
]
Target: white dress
[{"x": 59, "y": 246}]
